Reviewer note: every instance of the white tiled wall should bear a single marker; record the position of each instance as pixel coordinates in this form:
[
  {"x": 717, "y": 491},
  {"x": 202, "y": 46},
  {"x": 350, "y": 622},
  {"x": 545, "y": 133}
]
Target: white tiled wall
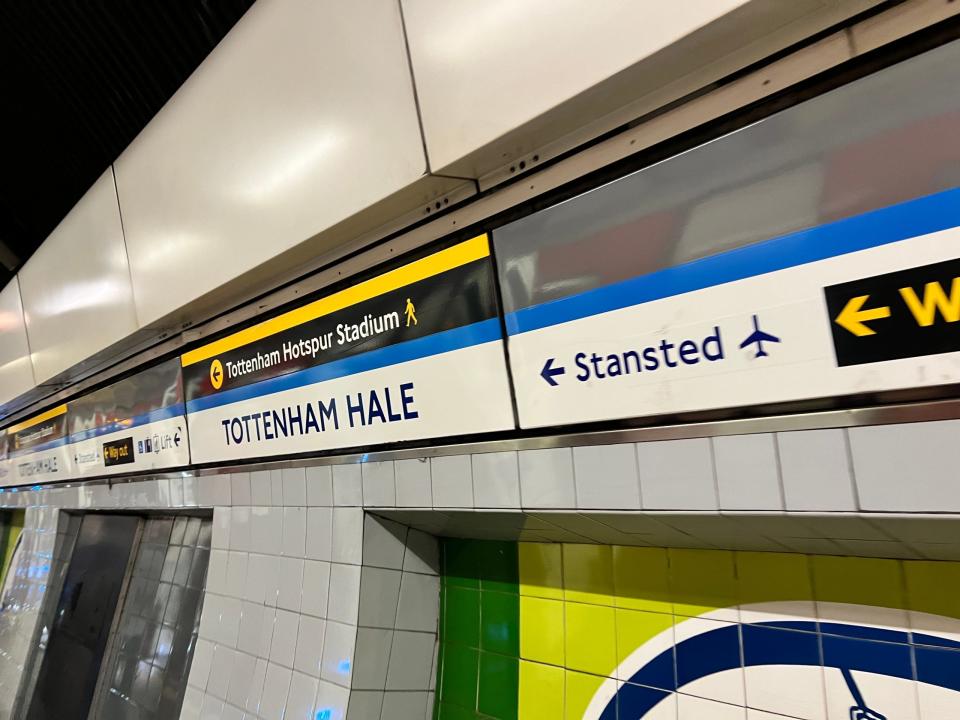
[{"x": 314, "y": 604}]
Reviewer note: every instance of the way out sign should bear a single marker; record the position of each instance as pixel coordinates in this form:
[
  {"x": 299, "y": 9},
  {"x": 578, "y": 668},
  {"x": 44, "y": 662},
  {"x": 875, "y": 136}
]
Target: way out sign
[{"x": 909, "y": 313}]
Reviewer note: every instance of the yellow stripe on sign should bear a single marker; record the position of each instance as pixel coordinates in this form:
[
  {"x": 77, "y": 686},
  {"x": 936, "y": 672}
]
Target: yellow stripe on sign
[
  {"x": 474, "y": 249},
  {"x": 37, "y": 419}
]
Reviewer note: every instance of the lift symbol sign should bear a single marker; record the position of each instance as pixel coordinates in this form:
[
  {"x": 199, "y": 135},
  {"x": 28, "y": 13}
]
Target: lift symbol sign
[{"x": 909, "y": 313}]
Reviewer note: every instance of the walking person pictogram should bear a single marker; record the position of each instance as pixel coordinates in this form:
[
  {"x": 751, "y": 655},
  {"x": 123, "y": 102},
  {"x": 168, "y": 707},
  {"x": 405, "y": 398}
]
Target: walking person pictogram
[{"x": 411, "y": 313}]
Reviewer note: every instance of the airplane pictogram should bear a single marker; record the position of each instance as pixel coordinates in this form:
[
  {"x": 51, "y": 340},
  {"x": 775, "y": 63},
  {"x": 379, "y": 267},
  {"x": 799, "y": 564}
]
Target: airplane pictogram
[{"x": 758, "y": 337}]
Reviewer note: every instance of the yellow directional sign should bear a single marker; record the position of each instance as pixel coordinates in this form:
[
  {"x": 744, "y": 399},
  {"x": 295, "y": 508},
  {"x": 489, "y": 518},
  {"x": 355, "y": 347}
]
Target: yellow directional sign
[
  {"x": 853, "y": 316},
  {"x": 216, "y": 374},
  {"x": 906, "y": 313}
]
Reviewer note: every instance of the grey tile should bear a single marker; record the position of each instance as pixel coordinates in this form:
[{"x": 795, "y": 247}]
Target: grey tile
[
  {"x": 812, "y": 546},
  {"x": 606, "y": 477},
  {"x": 919, "y": 529},
  {"x": 422, "y": 554},
  {"x": 378, "y": 484},
  {"x": 294, "y": 487},
  {"x": 266, "y": 529},
  {"x": 371, "y": 658},
  {"x": 496, "y": 480},
  {"x": 347, "y": 536},
  {"x": 815, "y": 468},
  {"x": 907, "y": 468},
  {"x": 214, "y": 490},
  {"x": 938, "y": 551},
  {"x": 546, "y": 478},
  {"x": 364, "y": 704},
  {"x": 344, "y": 594},
  {"x": 411, "y": 661},
  {"x": 319, "y": 533},
  {"x": 260, "y": 488},
  {"x": 316, "y": 587},
  {"x": 748, "y": 476},
  {"x": 452, "y": 481},
  {"x": 339, "y": 642},
  {"x": 293, "y": 536},
  {"x": 240, "y": 489},
  {"x": 419, "y": 606},
  {"x": 844, "y": 526},
  {"x": 379, "y": 597},
  {"x": 347, "y": 485},
  {"x": 383, "y": 542},
  {"x": 879, "y": 549},
  {"x": 276, "y": 487},
  {"x": 677, "y": 475},
  {"x": 221, "y": 528},
  {"x": 309, "y": 645},
  {"x": 406, "y": 706},
  {"x": 319, "y": 482},
  {"x": 413, "y": 483}
]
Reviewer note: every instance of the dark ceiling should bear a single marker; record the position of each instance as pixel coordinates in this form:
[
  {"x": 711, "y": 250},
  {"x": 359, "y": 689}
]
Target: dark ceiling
[{"x": 79, "y": 79}]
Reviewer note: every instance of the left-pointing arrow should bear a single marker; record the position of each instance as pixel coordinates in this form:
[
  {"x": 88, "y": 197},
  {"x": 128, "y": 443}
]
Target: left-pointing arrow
[
  {"x": 549, "y": 372},
  {"x": 853, "y": 316}
]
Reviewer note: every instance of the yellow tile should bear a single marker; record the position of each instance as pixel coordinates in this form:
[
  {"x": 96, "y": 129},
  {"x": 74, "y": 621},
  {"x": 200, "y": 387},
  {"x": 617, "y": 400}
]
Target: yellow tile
[
  {"x": 541, "y": 630},
  {"x": 858, "y": 580},
  {"x": 541, "y": 570},
  {"x": 591, "y": 639},
  {"x": 640, "y": 579},
  {"x": 701, "y": 581},
  {"x": 933, "y": 587},
  {"x": 768, "y": 576},
  {"x": 580, "y": 689},
  {"x": 541, "y": 692},
  {"x": 635, "y": 627},
  {"x": 588, "y": 573}
]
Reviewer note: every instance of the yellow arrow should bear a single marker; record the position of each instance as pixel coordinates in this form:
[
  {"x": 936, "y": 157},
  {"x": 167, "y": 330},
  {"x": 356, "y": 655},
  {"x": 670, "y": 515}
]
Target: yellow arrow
[{"x": 852, "y": 317}]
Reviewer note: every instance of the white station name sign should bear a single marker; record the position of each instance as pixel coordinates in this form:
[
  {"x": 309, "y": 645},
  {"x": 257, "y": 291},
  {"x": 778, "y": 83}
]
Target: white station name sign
[
  {"x": 415, "y": 352},
  {"x": 866, "y": 304}
]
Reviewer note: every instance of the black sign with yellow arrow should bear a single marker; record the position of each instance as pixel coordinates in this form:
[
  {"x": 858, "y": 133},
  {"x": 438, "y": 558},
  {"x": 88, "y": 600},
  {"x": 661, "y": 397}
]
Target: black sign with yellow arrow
[{"x": 909, "y": 313}]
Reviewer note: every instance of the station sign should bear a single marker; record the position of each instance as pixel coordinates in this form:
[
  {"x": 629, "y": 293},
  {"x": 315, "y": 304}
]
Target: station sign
[
  {"x": 37, "y": 448},
  {"x": 865, "y": 304},
  {"x": 412, "y": 353},
  {"x": 135, "y": 425}
]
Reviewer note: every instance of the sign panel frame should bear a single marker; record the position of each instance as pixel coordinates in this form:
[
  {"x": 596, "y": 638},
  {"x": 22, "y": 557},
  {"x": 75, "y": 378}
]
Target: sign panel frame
[
  {"x": 752, "y": 326},
  {"x": 413, "y": 351}
]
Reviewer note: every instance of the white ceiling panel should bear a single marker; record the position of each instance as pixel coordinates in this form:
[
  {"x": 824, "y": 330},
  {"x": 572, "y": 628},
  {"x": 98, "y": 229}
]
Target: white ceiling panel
[
  {"x": 16, "y": 374},
  {"x": 498, "y": 78},
  {"x": 76, "y": 288},
  {"x": 303, "y": 116}
]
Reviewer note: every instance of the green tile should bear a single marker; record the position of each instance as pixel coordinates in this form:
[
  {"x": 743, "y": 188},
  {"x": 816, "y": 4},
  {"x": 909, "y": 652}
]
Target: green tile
[
  {"x": 499, "y": 567},
  {"x": 500, "y": 623},
  {"x": 458, "y": 683},
  {"x": 446, "y": 711},
  {"x": 461, "y": 562},
  {"x": 461, "y": 617},
  {"x": 435, "y": 711},
  {"x": 499, "y": 683}
]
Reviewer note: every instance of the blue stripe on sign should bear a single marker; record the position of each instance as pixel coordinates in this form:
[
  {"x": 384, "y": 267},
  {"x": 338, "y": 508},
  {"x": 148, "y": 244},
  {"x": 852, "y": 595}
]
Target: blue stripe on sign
[
  {"x": 134, "y": 422},
  {"x": 441, "y": 342},
  {"x": 878, "y": 227},
  {"x": 144, "y": 419}
]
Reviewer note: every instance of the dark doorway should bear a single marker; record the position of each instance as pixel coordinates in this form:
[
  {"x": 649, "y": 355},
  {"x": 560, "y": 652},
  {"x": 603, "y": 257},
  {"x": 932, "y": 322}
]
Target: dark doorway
[{"x": 79, "y": 632}]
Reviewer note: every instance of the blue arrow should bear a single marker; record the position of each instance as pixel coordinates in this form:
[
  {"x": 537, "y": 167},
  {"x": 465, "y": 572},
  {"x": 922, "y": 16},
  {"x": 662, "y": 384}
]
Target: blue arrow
[{"x": 549, "y": 372}]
